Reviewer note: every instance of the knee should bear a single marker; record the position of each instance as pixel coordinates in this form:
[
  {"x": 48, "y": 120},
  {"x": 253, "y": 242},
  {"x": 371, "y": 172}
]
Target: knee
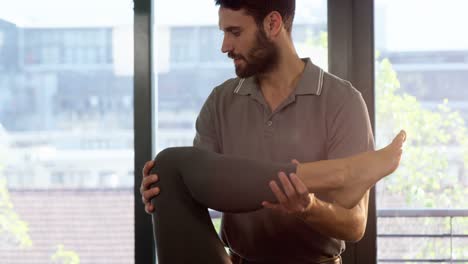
[
  {"x": 170, "y": 157},
  {"x": 166, "y": 167},
  {"x": 165, "y": 164},
  {"x": 165, "y": 155},
  {"x": 173, "y": 154}
]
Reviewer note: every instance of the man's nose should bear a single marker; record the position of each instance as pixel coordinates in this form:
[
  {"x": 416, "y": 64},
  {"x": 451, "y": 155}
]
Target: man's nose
[{"x": 226, "y": 46}]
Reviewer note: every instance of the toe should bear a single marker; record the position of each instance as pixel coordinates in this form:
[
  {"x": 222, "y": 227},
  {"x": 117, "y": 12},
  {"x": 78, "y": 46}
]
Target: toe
[{"x": 403, "y": 135}]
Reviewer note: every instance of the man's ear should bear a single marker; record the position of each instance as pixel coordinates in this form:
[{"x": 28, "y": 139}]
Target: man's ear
[{"x": 272, "y": 24}]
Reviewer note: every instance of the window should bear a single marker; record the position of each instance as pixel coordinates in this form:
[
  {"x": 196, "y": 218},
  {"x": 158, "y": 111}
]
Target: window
[
  {"x": 63, "y": 163},
  {"x": 421, "y": 77},
  {"x": 182, "y": 51}
]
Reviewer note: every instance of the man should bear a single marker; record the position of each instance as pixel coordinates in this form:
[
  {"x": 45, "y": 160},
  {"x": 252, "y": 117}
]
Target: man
[{"x": 277, "y": 103}]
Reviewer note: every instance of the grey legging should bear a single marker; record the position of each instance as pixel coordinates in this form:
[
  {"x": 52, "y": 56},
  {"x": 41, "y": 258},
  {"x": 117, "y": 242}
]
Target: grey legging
[{"x": 192, "y": 180}]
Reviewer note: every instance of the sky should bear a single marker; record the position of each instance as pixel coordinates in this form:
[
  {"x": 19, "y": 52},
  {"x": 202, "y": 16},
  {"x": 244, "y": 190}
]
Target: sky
[
  {"x": 424, "y": 24},
  {"x": 401, "y": 25},
  {"x": 97, "y": 13},
  {"x": 67, "y": 13}
]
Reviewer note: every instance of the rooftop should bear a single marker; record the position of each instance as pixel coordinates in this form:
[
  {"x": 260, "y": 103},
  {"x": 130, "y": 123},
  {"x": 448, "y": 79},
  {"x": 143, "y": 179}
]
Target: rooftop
[{"x": 98, "y": 225}]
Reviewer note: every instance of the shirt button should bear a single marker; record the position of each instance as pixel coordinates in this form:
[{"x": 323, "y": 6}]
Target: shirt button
[{"x": 269, "y": 123}]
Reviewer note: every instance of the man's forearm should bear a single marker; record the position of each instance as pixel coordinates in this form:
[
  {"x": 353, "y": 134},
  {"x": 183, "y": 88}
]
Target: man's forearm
[{"x": 335, "y": 221}]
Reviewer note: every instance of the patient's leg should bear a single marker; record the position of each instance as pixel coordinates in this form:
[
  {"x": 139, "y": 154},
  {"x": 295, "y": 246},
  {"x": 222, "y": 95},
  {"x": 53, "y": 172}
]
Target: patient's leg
[
  {"x": 348, "y": 179},
  {"x": 192, "y": 180}
]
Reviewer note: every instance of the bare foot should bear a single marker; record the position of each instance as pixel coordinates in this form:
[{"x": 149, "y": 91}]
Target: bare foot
[{"x": 365, "y": 169}]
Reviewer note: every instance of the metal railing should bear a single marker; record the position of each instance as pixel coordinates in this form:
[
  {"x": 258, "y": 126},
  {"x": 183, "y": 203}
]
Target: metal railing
[
  {"x": 416, "y": 213},
  {"x": 424, "y": 214}
]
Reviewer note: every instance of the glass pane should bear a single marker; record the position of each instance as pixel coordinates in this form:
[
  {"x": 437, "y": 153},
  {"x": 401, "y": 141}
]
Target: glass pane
[
  {"x": 66, "y": 132},
  {"x": 189, "y": 62},
  {"x": 421, "y": 77}
]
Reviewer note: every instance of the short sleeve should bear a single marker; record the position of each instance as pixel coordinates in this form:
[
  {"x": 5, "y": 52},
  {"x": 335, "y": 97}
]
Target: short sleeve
[
  {"x": 349, "y": 127},
  {"x": 206, "y": 136}
]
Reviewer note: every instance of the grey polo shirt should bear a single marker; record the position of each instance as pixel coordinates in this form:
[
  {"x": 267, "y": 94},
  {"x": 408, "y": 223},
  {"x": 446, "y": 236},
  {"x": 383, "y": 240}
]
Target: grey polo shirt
[{"x": 323, "y": 118}]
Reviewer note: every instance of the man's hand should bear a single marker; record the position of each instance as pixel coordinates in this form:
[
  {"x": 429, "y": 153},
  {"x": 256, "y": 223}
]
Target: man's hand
[
  {"x": 295, "y": 199},
  {"x": 146, "y": 192}
]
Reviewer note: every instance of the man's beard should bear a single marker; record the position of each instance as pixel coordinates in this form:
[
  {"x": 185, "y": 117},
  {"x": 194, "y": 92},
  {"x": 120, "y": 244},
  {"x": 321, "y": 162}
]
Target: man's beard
[{"x": 262, "y": 58}]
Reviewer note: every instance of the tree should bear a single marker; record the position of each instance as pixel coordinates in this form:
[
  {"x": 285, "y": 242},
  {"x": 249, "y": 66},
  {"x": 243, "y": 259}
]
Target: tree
[
  {"x": 13, "y": 230},
  {"x": 65, "y": 256},
  {"x": 423, "y": 178}
]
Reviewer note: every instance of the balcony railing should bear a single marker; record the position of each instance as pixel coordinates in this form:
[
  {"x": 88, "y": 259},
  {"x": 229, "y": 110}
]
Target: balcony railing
[
  {"x": 419, "y": 235},
  {"x": 422, "y": 235}
]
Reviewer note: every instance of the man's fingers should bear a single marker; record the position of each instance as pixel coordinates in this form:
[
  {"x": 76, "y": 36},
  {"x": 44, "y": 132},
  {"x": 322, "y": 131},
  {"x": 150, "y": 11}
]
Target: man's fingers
[
  {"x": 301, "y": 189},
  {"x": 148, "y": 181},
  {"x": 298, "y": 184},
  {"x": 149, "y": 208},
  {"x": 294, "y": 198},
  {"x": 288, "y": 188},
  {"x": 148, "y": 166},
  {"x": 295, "y": 161},
  {"x": 278, "y": 193},
  {"x": 150, "y": 194},
  {"x": 271, "y": 206}
]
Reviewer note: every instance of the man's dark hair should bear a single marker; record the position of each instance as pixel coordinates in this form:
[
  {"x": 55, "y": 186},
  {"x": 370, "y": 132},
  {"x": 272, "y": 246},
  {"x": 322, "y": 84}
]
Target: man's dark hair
[{"x": 259, "y": 9}]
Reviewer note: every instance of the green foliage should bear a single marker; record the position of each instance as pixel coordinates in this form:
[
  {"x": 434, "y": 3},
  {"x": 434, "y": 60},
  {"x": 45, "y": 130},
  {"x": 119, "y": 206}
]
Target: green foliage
[
  {"x": 12, "y": 228},
  {"x": 65, "y": 256},
  {"x": 15, "y": 231},
  {"x": 320, "y": 40},
  {"x": 217, "y": 224},
  {"x": 423, "y": 178},
  {"x": 316, "y": 47}
]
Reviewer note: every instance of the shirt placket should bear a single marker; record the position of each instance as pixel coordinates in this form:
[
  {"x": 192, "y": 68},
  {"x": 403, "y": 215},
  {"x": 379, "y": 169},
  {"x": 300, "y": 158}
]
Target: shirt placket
[
  {"x": 271, "y": 118},
  {"x": 268, "y": 123}
]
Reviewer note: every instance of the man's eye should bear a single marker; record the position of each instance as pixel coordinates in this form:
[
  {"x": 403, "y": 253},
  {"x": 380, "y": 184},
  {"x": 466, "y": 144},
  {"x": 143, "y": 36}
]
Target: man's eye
[{"x": 236, "y": 33}]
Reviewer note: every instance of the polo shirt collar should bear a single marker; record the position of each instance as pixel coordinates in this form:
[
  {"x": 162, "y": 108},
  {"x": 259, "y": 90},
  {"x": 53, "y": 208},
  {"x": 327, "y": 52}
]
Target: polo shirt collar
[
  {"x": 310, "y": 82},
  {"x": 246, "y": 86}
]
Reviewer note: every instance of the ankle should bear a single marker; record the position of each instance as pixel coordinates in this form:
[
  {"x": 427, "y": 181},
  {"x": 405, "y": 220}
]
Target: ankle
[{"x": 346, "y": 173}]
